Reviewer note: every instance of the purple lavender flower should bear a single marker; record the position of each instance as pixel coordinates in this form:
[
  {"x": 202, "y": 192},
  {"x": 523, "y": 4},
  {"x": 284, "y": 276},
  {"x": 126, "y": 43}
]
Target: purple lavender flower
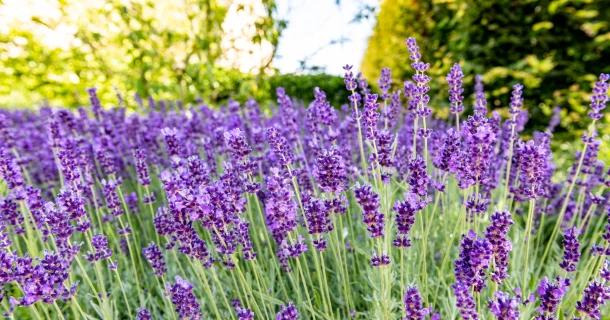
[
  {"x": 324, "y": 113},
  {"x": 410, "y": 91},
  {"x": 504, "y": 307},
  {"x": 413, "y": 49},
  {"x": 377, "y": 261},
  {"x": 476, "y": 157},
  {"x": 280, "y": 146},
  {"x": 172, "y": 145},
  {"x": 154, "y": 256},
  {"x": 497, "y": 235},
  {"x": 288, "y": 116},
  {"x": 288, "y": 312},
  {"x": 112, "y": 200},
  {"x": 371, "y": 116},
  {"x": 604, "y": 273},
  {"x": 45, "y": 281},
  {"x": 103, "y": 148},
  {"x": 369, "y": 201},
  {"x": 132, "y": 203},
  {"x": 295, "y": 249},
  {"x": 599, "y": 97},
  {"x": 58, "y": 223},
  {"x": 243, "y": 237},
  {"x": 420, "y": 91},
  {"x": 141, "y": 167},
  {"x": 475, "y": 257},
  {"x": 280, "y": 208},
  {"x": 454, "y": 79},
  {"x": 10, "y": 171},
  {"x": 532, "y": 160},
  {"x": 594, "y": 296},
  {"x": 465, "y": 301},
  {"x": 330, "y": 171},
  {"x": 238, "y": 145},
  {"x": 480, "y": 103},
  {"x": 96, "y": 106},
  {"x": 242, "y": 313},
  {"x": 143, "y": 314},
  {"x": 385, "y": 83},
  {"x": 390, "y": 112},
  {"x": 71, "y": 202},
  {"x": 383, "y": 157},
  {"x": 551, "y": 293},
  {"x": 124, "y": 231},
  {"x": 418, "y": 179},
  {"x": 516, "y": 101},
  {"x": 67, "y": 164},
  {"x": 414, "y": 309},
  {"x": 447, "y": 158},
  {"x": 318, "y": 220},
  {"x": 350, "y": 82},
  {"x": 571, "y": 253},
  {"x": 405, "y": 218},
  {"x": 101, "y": 251},
  {"x": 5, "y": 242},
  {"x": 182, "y": 297}
]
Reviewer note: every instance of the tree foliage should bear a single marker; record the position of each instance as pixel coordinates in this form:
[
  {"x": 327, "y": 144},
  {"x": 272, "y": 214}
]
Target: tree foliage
[
  {"x": 555, "y": 48},
  {"x": 164, "y": 48}
]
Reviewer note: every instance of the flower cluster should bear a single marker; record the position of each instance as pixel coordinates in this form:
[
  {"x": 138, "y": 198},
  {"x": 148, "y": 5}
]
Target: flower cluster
[
  {"x": 154, "y": 256},
  {"x": 288, "y": 312},
  {"x": 497, "y": 235},
  {"x": 182, "y": 296},
  {"x": 100, "y": 245},
  {"x": 225, "y": 200},
  {"x": 414, "y": 309},
  {"x": 599, "y": 97},
  {"x": 550, "y": 294},
  {"x": 405, "y": 218},
  {"x": 369, "y": 201},
  {"x": 454, "y": 79},
  {"x": 504, "y": 307},
  {"x": 595, "y": 295},
  {"x": 571, "y": 253}
]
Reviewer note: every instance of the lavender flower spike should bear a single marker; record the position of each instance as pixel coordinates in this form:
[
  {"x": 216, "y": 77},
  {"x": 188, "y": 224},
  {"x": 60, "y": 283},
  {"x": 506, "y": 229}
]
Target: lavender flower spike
[
  {"x": 141, "y": 167},
  {"x": 330, "y": 171},
  {"x": 504, "y": 307},
  {"x": 143, "y": 314},
  {"x": 154, "y": 256},
  {"x": 571, "y": 253},
  {"x": 280, "y": 146},
  {"x": 599, "y": 97},
  {"x": 454, "y": 79},
  {"x": 594, "y": 296},
  {"x": 369, "y": 201},
  {"x": 288, "y": 313},
  {"x": 184, "y": 299},
  {"x": 414, "y": 309},
  {"x": 550, "y": 294},
  {"x": 480, "y": 103},
  {"x": 497, "y": 235}
]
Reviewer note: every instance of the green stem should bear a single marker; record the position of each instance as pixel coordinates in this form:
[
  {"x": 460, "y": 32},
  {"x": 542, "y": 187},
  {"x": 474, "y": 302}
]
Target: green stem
[{"x": 528, "y": 231}]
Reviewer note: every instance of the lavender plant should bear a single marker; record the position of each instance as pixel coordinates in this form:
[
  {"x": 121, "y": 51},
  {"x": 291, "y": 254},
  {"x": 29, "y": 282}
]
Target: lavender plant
[{"x": 375, "y": 210}]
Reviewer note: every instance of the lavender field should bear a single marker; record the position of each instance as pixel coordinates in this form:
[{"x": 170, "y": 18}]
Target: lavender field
[{"x": 376, "y": 209}]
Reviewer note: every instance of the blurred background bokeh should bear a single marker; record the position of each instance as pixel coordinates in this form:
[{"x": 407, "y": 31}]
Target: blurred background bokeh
[{"x": 215, "y": 50}]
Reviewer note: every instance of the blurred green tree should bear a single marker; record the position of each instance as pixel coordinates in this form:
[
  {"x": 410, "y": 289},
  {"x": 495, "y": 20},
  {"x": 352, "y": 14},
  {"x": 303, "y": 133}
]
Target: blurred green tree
[
  {"x": 171, "y": 49},
  {"x": 555, "y": 48}
]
